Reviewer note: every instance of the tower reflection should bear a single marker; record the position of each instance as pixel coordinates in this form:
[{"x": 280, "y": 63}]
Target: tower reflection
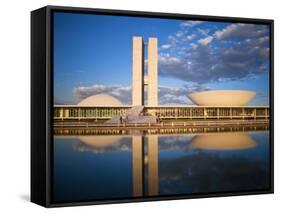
[
  {"x": 152, "y": 164},
  {"x": 138, "y": 165},
  {"x": 138, "y": 161},
  {"x": 145, "y": 154}
]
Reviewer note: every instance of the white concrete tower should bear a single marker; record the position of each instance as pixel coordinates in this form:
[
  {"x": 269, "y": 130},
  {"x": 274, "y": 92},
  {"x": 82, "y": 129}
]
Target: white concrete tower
[
  {"x": 138, "y": 78},
  {"x": 152, "y": 72},
  {"x": 138, "y": 72}
]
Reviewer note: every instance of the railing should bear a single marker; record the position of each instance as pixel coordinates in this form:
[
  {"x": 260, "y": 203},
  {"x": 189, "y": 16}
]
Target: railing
[
  {"x": 163, "y": 124},
  {"x": 157, "y": 130}
]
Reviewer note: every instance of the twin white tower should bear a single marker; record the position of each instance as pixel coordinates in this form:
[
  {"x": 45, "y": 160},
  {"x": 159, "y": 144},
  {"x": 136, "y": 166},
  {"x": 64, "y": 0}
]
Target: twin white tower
[{"x": 139, "y": 77}]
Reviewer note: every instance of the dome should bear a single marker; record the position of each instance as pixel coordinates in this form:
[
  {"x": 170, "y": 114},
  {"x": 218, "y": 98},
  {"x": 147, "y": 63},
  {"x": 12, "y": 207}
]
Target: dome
[
  {"x": 222, "y": 97},
  {"x": 223, "y": 141},
  {"x": 100, "y": 100},
  {"x": 100, "y": 141}
]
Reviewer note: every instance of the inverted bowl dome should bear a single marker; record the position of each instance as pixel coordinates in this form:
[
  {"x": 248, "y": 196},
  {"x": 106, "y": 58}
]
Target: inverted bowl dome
[
  {"x": 222, "y": 97},
  {"x": 100, "y": 100}
]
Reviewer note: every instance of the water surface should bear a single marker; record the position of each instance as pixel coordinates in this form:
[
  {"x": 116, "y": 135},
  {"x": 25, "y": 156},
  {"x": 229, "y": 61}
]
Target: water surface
[{"x": 113, "y": 166}]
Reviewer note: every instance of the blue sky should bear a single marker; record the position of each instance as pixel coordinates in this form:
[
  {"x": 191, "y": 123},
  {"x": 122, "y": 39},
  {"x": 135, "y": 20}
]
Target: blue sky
[{"x": 92, "y": 54}]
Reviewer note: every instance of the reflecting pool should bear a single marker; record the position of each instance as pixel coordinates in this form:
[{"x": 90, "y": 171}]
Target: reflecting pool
[{"x": 97, "y": 165}]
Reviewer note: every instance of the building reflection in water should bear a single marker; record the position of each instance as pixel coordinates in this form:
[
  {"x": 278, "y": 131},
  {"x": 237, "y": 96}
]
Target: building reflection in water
[
  {"x": 138, "y": 160},
  {"x": 152, "y": 151},
  {"x": 138, "y": 165},
  {"x": 100, "y": 141},
  {"x": 222, "y": 141},
  {"x": 145, "y": 156}
]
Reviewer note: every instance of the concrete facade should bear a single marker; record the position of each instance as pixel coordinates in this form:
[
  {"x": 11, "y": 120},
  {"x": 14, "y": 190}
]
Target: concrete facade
[
  {"x": 137, "y": 72},
  {"x": 139, "y": 80},
  {"x": 189, "y": 113},
  {"x": 152, "y": 71}
]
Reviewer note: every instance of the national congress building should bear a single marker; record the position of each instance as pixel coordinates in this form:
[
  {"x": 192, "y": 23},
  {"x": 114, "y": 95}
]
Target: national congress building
[{"x": 208, "y": 105}]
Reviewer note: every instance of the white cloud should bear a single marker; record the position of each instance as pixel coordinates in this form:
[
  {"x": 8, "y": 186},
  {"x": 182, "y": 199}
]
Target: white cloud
[
  {"x": 241, "y": 30},
  {"x": 198, "y": 62},
  {"x": 204, "y": 32},
  {"x": 179, "y": 34},
  {"x": 221, "y": 34},
  {"x": 178, "y": 95},
  {"x": 190, "y": 23},
  {"x": 194, "y": 46},
  {"x": 123, "y": 93},
  {"x": 206, "y": 40},
  {"x": 190, "y": 37},
  {"x": 167, "y": 95},
  {"x": 263, "y": 40},
  {"x": 166, "y": 46},
  {"x": 166, "y": 59}
]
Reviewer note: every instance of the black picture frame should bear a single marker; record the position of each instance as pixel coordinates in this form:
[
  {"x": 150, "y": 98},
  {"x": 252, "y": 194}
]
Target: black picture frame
[{"x": 42, "y": 101}]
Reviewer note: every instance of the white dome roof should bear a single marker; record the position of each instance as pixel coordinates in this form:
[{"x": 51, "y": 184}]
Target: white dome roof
[
  {"x": 100, "y": 100},
  {"x": 222, "y": 97}
]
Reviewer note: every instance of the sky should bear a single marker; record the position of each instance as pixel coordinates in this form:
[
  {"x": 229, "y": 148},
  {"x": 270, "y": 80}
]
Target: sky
[{"x": 93, "y": 54}]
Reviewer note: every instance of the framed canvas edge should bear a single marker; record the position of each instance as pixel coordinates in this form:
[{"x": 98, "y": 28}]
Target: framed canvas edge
[{"x": 49, "y": 100}]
